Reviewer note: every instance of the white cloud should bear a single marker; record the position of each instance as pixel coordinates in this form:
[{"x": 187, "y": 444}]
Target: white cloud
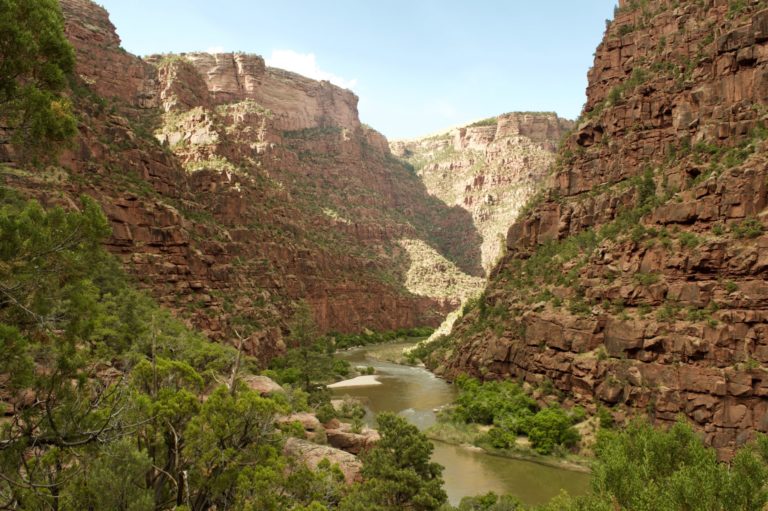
[{"x": 306, "y": 64}]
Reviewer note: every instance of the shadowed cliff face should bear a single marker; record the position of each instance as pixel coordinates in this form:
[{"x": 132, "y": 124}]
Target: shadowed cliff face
[
  {"x": 638, "y": 280},
  {"x": 235, "y": 190},
  {"x": 490, "y": 168}
]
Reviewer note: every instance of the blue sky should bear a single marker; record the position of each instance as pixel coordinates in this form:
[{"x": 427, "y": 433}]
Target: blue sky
[{"x": 418, "y": 66}]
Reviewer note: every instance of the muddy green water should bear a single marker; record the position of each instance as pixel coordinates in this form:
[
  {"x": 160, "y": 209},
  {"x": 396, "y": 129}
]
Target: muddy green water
[{"x": 414, "y": 393}]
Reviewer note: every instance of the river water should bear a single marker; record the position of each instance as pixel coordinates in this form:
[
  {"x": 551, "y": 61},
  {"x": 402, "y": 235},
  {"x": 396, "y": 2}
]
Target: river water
[{"x": 414, "y": 393}]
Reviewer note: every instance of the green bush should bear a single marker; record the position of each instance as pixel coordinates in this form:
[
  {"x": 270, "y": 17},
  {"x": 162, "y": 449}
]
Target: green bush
[
  {"x": 325, "y": 413},
  {"x": 490, "y": 502},
  {"x": 485, "y": 403},
  {"x": 689, "y": 239},
  {"x": 647, "y": 468},
  {"x": 351, "y": 410},
  {"x": 551, "y": 427}
]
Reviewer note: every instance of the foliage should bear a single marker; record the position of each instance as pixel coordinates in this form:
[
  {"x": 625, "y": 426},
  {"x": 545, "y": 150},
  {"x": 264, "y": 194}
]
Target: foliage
[
  {"x": 487, "y": 402},
  {"x": 490, "y": 502},
  {"x": 127, "y": 413},
  {"x": 749, "y": 228},
  {"x": 490, "y": 121},
  {"x": 240, "y": 428},
  {"x": 512, "y": 412},
  {"x": 309, "y": 361},
  {"x": 344, "y": 341},
  {"x": 549, "y": 428},
  {"x": 423, "y": 350},
  {"x": 643, "y": 468},
  {"x": 35, "y": 62},
  {"x": 397, "y": 472}
]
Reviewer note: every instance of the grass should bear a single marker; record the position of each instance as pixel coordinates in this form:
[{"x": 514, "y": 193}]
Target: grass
[
  {"x": 454, "y": 433},
  {"x": 491, "y": 121}
]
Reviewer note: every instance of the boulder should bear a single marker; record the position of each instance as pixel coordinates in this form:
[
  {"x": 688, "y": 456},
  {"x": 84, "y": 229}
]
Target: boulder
[
  {"x": 262, "y": 384},
  {"x": 312, "y": 454},
  {"x": 347, "y": 440},
  {"x": 308, "y": 421}
]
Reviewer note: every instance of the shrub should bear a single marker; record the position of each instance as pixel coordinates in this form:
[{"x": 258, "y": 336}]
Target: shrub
[
  {"x": 689, "y": 239},
  {"x": 490, "y": 502},
  {"x": 749, "y": 228},
  {"x": 646, "y": 279},
  {"x": 325, "y": 413},
  {"x": 485, "y": 403},
  {"x": 551, "y": 427}
]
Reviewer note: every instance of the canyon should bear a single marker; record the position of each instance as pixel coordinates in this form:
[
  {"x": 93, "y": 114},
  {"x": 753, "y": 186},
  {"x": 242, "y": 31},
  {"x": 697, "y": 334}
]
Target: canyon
[
  {"x": 636, "y": 281},
  {"x": 625, "y": 252},
  {"x": 235, "y": 190}
]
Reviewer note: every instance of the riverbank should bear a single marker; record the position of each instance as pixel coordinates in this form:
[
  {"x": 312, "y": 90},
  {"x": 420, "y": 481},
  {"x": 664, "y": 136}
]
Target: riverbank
[
  {"x": 389, "y": 350},
  {"x": 465, "y": 435},
  {"x": 415, "y": 393}
]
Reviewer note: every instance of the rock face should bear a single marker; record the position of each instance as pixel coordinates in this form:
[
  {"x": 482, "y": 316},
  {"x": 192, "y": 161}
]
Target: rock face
[
  {"x": 297, "y": 102},
  {"x": 638, "y": 281},
  {"x": 235, "y": 190},
  {"x": 109, "y": 70},
  {"x": 490, "y": 168},
  {"x": 312, "y": 454}
]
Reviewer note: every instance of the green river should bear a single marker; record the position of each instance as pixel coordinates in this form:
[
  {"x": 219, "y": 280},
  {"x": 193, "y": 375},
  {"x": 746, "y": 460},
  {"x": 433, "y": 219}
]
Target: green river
[{"x": 414, "y": 393}]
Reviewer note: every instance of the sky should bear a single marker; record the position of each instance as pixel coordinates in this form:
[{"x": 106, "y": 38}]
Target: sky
[{"x": 418, "y": 66}]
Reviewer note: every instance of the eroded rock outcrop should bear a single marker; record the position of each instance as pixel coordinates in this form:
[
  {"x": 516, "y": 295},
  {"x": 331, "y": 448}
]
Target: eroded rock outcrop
[
  {"x": 490, "y": 168},
  {"x": 638, "y": 281},
  {"x": 297, "y": 102},
  {"x": 313, "y": 454}
]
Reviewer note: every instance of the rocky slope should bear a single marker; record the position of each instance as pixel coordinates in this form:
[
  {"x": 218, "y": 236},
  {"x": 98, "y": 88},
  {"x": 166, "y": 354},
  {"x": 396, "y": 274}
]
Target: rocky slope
[
  {"x": 235, "y": 190},
  {"x": 638, "y": 280},
  {"x": 490, "y": 168}
]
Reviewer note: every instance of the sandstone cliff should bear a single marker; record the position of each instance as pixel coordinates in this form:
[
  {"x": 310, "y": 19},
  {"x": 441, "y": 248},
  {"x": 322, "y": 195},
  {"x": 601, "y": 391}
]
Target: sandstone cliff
[
  {"x": 235, "y": 190},
  {"x": 490, "y": 168},
  {"x": 638, "y": 280}
]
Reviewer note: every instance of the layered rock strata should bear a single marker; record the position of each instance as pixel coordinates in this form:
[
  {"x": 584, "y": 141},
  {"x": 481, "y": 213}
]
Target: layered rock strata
[
  {"x": 638, "y": 280},
  {"x": 235, "y": 190},
  {"x": 490, "y": 168}
]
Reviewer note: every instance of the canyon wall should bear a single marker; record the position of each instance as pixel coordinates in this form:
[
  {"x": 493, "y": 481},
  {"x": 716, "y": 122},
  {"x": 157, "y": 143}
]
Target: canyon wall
[
  {"x": 490, "y": 168},
  {"x": 235, "y": 190},
  {"x": 638, "y": 280}
]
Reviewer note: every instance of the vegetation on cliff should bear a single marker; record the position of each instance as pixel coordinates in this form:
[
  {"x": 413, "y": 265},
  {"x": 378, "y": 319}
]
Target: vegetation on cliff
[
  {"x": 35, "y": 62},
  {"x": 633, "y": 282}
]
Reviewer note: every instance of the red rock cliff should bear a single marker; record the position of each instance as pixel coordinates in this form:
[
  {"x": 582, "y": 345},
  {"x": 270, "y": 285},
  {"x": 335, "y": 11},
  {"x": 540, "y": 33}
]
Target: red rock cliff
[
  {"x": 235, "y": 190},
  {"x": 638, "y": 281}
]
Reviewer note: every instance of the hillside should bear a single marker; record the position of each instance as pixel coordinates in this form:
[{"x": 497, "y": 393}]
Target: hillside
[
  {"x": 637, "y": 281},
  {"x": 234, "y": 190},
  {"x": 490, "y": 168}
]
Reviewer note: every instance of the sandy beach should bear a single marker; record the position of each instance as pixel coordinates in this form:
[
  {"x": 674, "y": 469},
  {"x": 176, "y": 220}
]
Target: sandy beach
[{"x": 360, "y": 381}]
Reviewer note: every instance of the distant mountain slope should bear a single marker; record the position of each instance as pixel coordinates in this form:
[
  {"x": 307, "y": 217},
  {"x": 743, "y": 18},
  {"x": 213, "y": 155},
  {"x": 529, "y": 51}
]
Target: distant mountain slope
[{"x": 490, "y": 168}]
